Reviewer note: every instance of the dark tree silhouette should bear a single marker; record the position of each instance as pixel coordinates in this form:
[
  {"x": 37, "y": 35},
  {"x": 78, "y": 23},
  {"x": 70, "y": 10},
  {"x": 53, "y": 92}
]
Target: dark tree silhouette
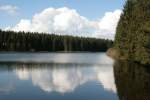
[
  {"x": 21, "y": 41},
  {"x": 132, "y": 80}
]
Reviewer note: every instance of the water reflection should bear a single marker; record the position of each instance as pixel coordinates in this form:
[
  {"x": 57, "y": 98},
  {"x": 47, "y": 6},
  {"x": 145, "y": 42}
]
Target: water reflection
[
  {"x": 132, "y": 81},
  {"x": 79, "y": 58},
  {"x": 70, "y": 80},
  {"x": 6, "y": 82},
  {"x": 62, "y": 78},
  {"x": 6, "y": 88}
]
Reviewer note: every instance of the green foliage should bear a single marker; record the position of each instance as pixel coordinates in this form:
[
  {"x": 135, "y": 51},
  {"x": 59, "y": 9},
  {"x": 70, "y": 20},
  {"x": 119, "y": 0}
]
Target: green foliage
[
  {"x": 21, "y": 41},
  {"x": 133, "y": 31}
]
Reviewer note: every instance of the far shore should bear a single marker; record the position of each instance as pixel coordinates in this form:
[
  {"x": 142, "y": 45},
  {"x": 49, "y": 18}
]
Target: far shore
[{"x": 51, "y": 52}]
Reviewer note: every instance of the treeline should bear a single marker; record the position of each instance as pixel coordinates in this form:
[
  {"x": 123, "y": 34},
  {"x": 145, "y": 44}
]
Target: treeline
[
  {"x": 133, "y": 31},
  {"x": 21, "y": 41}
]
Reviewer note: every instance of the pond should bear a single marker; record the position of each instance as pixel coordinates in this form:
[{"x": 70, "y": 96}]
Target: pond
[{"x": 69, "y": 76}]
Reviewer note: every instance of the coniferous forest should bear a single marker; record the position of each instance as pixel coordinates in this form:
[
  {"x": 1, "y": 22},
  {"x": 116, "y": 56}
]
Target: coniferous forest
[
  {"x": 133, "y": 31},
  {"x": 27, "y": 42}
]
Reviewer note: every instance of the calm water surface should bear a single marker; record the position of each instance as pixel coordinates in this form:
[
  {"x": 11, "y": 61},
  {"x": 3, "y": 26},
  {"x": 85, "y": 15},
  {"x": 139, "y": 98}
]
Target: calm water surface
[{"x": 61, "y": 76}]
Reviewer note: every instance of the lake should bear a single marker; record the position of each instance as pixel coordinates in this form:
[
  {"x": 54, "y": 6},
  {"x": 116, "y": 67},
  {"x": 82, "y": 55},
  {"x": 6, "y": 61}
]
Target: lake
[{"x": 70, "y": 76}]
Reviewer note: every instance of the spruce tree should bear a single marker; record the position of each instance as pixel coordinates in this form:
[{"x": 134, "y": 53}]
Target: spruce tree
[{"x": 133, "y": 32}]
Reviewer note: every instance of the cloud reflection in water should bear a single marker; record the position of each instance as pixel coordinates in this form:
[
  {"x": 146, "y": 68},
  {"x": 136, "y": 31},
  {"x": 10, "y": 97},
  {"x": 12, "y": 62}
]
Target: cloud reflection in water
[{"x": 65, "y": 78}]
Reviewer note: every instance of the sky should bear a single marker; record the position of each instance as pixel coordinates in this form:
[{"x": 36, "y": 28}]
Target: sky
[{"x": 89, "y": 18}]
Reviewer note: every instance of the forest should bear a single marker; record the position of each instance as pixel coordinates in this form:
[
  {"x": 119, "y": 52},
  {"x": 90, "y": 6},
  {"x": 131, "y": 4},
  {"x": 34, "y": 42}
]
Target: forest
[
  {"x": 36, "y": 42},
  {"x": 133, "y": 32}
]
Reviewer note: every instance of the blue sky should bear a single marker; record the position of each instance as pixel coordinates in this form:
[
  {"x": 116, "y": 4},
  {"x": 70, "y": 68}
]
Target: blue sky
[
  {"x": 92, "y": 9},
  {"x": 26, "y": 9}
]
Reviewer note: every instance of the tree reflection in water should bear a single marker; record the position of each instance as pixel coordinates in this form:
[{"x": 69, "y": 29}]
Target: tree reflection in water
[{"x": 132, "y": 81}]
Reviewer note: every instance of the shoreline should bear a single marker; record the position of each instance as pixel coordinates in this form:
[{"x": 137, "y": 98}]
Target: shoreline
[
  {"x": 51, "y": 52},
  {"x": 115, "y": 54}
]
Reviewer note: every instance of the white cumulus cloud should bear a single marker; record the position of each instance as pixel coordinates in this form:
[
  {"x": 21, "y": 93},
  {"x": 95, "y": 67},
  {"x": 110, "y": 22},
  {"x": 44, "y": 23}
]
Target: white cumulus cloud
[
  {"x": 107, "y": 25},
  {"x": 9, "y": 9},
  {"x": 70, "y": 22}
]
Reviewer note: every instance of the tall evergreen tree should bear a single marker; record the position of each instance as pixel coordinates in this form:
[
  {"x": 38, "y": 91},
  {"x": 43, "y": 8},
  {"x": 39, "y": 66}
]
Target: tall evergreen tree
[{"x": 133, "y": 31}]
